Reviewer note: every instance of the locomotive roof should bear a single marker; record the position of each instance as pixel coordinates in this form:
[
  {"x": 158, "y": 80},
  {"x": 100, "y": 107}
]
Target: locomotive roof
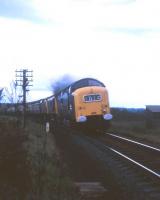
[
  {"x": 84, "y": 79},
  {"x": 79, "y": 81}
]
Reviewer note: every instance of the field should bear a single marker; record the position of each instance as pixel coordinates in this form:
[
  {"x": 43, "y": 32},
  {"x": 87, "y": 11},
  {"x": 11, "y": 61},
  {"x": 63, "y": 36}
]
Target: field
[{"x": 133, "y": 122}]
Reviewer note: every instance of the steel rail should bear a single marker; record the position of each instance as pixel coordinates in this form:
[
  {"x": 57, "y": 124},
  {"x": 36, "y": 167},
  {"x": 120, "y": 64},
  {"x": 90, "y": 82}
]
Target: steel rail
[
  {"x": 144, "y": 145},
  {"x": 135, "y": 162}
]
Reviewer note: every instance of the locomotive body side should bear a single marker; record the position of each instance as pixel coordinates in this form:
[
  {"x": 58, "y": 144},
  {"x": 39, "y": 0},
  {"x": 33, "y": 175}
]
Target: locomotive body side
[{"x": 62, "y": 104}]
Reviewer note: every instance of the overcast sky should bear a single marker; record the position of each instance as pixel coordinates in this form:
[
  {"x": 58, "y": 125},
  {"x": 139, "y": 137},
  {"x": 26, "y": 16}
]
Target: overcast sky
[{"x": 115, "y": 41}]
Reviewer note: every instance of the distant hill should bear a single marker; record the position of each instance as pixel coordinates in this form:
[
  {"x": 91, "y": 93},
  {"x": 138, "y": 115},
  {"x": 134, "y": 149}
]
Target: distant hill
[{"x": 134, "y": 110}]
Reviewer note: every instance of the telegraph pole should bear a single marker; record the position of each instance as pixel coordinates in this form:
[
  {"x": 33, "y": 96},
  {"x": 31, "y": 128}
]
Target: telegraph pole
[{"x": 23, "y": 79}]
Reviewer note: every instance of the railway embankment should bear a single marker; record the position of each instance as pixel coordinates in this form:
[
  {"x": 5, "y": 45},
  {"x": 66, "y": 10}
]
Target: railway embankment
[
  {"x": 15, "y": 176},
  {"x": 30, "y": 165}
]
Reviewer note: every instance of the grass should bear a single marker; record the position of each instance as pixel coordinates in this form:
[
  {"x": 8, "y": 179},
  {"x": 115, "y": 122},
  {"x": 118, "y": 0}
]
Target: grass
[
  {"x": 14, "y": 170},
  {"x": 134, "y": 124},
  {"x": 30, "y": 164},
  {"x": 48, "y": 172}
]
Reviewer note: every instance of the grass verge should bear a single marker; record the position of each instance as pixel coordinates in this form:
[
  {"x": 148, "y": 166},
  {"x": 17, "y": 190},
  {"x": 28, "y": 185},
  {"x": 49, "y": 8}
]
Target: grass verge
[
  {"x": 48, "y": 172},
  {"x": 30, "y": 165}
]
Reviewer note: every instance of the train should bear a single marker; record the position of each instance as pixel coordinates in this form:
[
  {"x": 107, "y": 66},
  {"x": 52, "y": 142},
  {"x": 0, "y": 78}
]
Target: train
[{"x": 82, "y": 103}]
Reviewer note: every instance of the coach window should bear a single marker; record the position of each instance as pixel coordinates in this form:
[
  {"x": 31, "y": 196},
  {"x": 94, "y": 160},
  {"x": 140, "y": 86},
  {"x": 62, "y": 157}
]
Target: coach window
[
  {"x": 59, "y": 97},
  {"x": 65, "y": 98}
]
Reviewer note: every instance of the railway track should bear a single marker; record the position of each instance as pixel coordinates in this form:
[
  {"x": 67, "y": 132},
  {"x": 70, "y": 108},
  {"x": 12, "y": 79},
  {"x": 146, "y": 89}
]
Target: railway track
[
  {"x": 143, "y": 155},
  {"x": 91, "y": 177},
  {"x": 116, "y": 163},
  {"x": 136, "y": 165}
]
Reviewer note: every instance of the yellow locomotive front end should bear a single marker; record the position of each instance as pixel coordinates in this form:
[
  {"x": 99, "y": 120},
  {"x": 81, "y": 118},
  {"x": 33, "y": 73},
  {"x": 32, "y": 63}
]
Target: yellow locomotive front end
[{"x": 92, "y": 106}]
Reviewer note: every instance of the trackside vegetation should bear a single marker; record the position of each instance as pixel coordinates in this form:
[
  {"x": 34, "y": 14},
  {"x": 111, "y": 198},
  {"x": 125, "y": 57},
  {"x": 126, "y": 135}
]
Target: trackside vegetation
[
  {"x": 30, "y": 164},
  {"x": 48, "y": 172}
]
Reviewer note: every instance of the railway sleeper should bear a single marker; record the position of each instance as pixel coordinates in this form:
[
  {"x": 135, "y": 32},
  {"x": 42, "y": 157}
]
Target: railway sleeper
[{"x": 91, "y": 190}]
